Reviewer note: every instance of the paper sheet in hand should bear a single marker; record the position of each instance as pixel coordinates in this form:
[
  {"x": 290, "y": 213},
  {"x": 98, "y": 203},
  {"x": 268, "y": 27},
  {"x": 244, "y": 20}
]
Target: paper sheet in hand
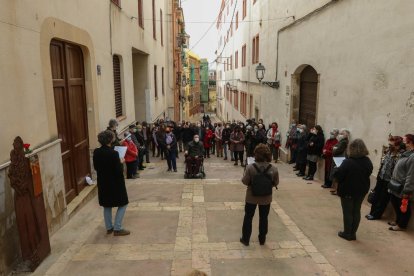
[
  {"x": 250, "y": 160},
  {"x": 338, "y": 161},
  {"x": 121, "y": 151}
]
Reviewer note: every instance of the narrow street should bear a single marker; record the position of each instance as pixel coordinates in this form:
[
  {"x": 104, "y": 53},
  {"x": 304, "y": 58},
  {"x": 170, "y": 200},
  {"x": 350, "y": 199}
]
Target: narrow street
[{"x": 179, "y": 224}]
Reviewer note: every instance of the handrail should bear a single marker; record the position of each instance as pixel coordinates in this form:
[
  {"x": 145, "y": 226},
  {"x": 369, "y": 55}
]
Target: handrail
[{"x": 35, "y": 151}]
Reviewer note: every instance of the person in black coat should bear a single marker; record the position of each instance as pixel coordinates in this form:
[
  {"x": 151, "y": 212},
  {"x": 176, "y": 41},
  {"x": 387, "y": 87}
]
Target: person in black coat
[
  {"x": 353, "y": 177},
  {"x": 187, "y": 135},
  {"x": 111, "y": 183},
  {"x": 301, "y": 150},
  {"x": 316, "y": 141}
]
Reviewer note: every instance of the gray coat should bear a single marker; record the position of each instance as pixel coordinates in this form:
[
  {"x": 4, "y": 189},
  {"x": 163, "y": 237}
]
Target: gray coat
[
  {"x": 248, "y": 178},
  {"x": 404, "y": 173}
]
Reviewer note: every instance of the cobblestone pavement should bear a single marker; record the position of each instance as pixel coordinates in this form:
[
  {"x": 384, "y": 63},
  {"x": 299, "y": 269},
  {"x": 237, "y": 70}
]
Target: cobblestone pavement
[{"x": 179, "y": 224}]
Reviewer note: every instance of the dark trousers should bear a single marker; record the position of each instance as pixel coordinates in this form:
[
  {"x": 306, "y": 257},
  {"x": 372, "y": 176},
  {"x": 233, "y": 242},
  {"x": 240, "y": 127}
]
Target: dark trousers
[
  {"x": 131, "y": 168},
  {"x": 351, "y": 210},
  {"x": 193, "y": 164},
  {"x": 141, "y": 158},
  {"x": 147, "y": 150},
  {"x": 402, "y": 218},
  {"x": 238, "y": 155},
  {"x": 249, "y": 210},
  {"x": 382, "y": 197},
  {"x": 328, "y": 167},
  {"x": 206, "y": 152},
  {"x": 171, "y": 159},
  {"x": 302, "y": 167},
  {"x": 293, "y": 154},
  {"x": 312, "y": 168}
]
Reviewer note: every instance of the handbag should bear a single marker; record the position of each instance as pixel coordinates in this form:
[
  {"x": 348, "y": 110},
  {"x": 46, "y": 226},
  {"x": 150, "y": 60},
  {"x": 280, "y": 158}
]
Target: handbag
[
  {"x": 395, "y": 187},
  {"x": 372, "y": 197}
]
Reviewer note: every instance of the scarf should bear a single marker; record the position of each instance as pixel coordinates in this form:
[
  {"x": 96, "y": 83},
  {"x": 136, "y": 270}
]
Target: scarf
[{"x": 168, "y": 139}]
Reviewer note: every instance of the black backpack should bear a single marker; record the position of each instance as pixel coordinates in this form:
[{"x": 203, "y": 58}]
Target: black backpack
[{"x": 262, "y": 183}]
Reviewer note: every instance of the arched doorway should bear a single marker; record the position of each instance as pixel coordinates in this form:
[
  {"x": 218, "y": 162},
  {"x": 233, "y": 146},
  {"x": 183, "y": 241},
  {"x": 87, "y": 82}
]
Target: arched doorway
[{"x": 305, "y": 95}]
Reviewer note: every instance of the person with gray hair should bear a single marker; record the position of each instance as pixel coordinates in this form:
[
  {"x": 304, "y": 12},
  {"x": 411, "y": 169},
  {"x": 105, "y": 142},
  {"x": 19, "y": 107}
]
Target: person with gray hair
[
  {"x": 111, "y": 183},
  {"x": 339, "y": 150},
  {"x": 113, "y": 126},
  {"x": 301, "y": 149},
  {"x": 327, "y": 153}
]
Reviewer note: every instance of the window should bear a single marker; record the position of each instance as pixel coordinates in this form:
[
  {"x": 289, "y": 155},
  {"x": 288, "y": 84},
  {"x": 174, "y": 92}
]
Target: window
[
  {"x": 154, "y": 23},
  {"x": 161, "y": 31},
  {"x": 243, "y": 103},
  {"x": 117, "y": 2},
  {"x": 244, "y": 55},
  {"x": 254, "y": 1},
  {"x": 236, "y": 100},
  {"x": 236, "y": 60},
  {"x": 162, "y": 78},
  {"x": 155, "y": 82},
  {"x": 140, "y": 18},
  {"x": 244, "y": 8},
  {"x": 251, "y": 107},
  {"x": 255, "y": 50},
  {"x": 231, "y": 29},
  {"x": 231, "y": 62},
  {"x": 237, "y": 20},
  {"x": 117, "y": 85}
]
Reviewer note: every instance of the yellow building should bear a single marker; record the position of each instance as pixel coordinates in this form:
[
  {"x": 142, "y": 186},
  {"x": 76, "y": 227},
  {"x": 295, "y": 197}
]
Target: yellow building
[{"x": 193, "y": 85}]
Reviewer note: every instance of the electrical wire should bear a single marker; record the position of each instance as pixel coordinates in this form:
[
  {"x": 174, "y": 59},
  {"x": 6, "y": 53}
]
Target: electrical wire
[{"x": 211, "y": 26}]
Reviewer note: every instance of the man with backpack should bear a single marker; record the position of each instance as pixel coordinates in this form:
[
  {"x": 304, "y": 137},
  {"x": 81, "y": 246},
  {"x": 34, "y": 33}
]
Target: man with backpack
[{"x": 260, "y": 179}]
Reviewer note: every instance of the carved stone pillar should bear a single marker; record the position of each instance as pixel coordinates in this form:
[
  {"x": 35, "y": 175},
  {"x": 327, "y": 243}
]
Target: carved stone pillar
[{"x": 29, "y": 207}]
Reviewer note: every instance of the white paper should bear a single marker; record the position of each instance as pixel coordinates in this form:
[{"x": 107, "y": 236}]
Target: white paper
[
  {"x": 121, "y": 151},
  {"x": 338, "y": 161},
  {"x": 250, "y": 160}
]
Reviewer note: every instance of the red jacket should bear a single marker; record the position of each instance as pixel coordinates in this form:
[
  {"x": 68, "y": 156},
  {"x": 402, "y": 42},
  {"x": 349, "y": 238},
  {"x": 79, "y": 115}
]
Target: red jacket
[
  {"x": 208, "y": 137},
  {"x": 327, "y": 149},
  {"x": 132, "y": 151}
]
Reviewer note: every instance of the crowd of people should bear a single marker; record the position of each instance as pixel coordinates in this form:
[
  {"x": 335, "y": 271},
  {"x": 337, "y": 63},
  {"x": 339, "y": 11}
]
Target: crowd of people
[{"x": 349, "y": 178}]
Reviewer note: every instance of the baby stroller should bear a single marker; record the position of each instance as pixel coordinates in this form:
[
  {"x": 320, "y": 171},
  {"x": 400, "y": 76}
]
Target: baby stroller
[{"x": 191, "y": 168}]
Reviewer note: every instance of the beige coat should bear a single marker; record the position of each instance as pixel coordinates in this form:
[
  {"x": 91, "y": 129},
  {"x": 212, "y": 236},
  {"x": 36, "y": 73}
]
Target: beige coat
[{"x": 248, "y": 177}]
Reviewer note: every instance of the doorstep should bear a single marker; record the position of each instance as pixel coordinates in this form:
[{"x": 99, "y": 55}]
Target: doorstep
[{"x": 84, "y": 197}]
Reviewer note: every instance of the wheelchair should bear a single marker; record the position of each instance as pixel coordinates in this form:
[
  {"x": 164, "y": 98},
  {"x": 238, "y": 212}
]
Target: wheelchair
[{"x": 189, "y": 165}]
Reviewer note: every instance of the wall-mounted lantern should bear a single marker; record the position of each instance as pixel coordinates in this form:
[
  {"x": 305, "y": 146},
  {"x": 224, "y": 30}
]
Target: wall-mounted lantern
[{"x": 260, "y": 73}]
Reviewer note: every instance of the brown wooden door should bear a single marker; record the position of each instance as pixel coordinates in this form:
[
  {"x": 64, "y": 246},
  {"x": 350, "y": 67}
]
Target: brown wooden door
[
  {"x": 71, "y": 116},
  {"x": 308, "y": 96}
]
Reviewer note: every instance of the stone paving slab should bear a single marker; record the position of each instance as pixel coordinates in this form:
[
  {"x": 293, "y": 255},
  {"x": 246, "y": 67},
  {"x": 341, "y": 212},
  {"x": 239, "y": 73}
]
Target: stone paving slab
[
  {"x": 133, "y": 267},
  {"x": 263, "y": 267}
]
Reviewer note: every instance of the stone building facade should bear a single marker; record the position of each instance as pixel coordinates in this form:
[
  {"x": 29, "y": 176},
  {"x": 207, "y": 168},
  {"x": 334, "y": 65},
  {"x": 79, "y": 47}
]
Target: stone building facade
[
  {"x": 193, "y": 85},
  {"x": 339, "y": 64},
  {"x": 67, "y": 67}
]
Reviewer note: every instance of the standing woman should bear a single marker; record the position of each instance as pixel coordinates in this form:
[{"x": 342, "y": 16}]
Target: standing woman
[
  {"x": 131, "y": 156},
  {"x": 208, "y": 138},
  {"x": 111, "y": 184},
  {"x": 388, "y": 161},
  {"x": 273, "y": 141},
  {"x": 263, "y": 157},
  {"x": 226, "y": 140},
  {"x": 353, "y": 178},
  {"x": 402, "y": 185},
  {"x": 237, "y": 140},
  {"x": 302, "y": 149},
  {"x": 328, "y": 156},
  {"x": 339, "y": 150},
  {"x": 315, "y": 146}
]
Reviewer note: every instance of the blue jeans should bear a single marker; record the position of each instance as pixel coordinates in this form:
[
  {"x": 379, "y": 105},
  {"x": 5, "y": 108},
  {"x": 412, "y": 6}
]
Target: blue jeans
[
  {"x": 118, "y": 218},
  {"x": 225, "y": 146},
  {"x": 171, "y": 159}
]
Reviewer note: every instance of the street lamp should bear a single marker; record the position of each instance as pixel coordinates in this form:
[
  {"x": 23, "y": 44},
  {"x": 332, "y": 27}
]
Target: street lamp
[{"x": 260, "y": 72}]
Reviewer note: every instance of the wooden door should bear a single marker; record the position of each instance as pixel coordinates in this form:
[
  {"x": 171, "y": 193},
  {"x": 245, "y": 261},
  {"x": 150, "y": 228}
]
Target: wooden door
[
  {"x": 308, "y": 96},
  {"x": 71, "y": 116}
]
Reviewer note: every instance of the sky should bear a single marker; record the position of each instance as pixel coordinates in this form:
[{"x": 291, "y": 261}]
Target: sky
[{"x": 202, "y": 11}]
